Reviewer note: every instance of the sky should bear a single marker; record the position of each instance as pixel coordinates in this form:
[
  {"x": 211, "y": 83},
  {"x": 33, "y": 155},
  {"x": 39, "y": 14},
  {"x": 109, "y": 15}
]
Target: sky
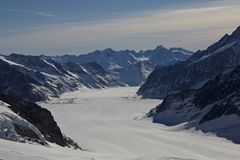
[{"x": 55, "y": 27}]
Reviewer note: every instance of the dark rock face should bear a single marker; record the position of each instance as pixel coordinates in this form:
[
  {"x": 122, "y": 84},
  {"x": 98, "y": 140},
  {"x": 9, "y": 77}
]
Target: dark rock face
[
  {"x": 221, "y": 57},
  {"x": 41, "y": 118},
  {"x": 215, "y": 107},
  {"x": 15, "y": 81},
  {"x": 35, "y": 78}
]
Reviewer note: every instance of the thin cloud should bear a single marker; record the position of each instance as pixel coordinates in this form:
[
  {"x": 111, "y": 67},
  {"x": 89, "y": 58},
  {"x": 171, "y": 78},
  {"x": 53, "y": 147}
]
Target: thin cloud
[
  {"x": 37, "y": 13},
  {"x": 192, "y": 28}
]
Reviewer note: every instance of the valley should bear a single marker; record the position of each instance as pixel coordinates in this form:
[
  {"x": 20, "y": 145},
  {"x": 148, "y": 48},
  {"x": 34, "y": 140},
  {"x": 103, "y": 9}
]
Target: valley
[{"x": 108, "y": 124}]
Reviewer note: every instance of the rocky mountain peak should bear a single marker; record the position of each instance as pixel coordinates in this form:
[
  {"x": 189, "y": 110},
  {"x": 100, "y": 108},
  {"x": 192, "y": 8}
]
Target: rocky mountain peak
[
  {"x": 160, "y": 48},
  {"x": 235, "y": 36},
  {"x": 221, "y": 57},
  {"x": 109, "y": 50},
  {"x": 236, "y": 33}
]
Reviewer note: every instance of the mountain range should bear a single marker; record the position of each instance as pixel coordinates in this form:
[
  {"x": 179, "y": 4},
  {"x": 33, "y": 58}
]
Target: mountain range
[
  {"x": 136, "y": 65},
  {"x": 221, "y": 57},
  {"x": 35, "y": 78}
]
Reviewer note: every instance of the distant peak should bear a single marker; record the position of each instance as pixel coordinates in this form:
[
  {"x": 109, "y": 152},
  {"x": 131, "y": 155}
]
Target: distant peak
[
  {"x": 238, "y": 28},
  {"x": 108, "y": 50},
  {"x": 226, "y": 35},
  {"x": 160, "y": 47},
  {"x": 236, "y": 33}
]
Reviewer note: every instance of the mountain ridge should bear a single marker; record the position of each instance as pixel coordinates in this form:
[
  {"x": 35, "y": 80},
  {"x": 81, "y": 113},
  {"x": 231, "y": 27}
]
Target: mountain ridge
[
  {"x": 35, "y": 78},
  {"x": 222, "y": 56},
  {"x": 122, "y": 62}
]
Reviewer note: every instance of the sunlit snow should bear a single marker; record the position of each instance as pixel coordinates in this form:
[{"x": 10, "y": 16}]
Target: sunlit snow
[{"x": 108, "y": 125}]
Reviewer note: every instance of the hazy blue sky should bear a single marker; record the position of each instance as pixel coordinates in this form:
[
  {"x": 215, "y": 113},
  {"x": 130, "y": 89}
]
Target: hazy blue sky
[{"x": 79, "y": 26}]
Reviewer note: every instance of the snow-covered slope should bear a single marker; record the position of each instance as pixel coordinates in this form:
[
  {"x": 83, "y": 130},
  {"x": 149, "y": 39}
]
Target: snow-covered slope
[
  {"x": 213, "y": 108},
  {"x": 15, "y": 128},
  {"x": 35, "y": 78},
  {"x": 22, "y": 121},
  {"x": 221, "y": 57}
]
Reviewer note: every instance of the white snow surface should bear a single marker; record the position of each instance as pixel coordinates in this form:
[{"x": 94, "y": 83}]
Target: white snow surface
[
  {"x": 10, "y": 62},
  {"x": 7, "y": 129},
  {"x": 50, "y": 64},
  {"x": 13, "y": 63},
  {"x": 107, "y": 124}
]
